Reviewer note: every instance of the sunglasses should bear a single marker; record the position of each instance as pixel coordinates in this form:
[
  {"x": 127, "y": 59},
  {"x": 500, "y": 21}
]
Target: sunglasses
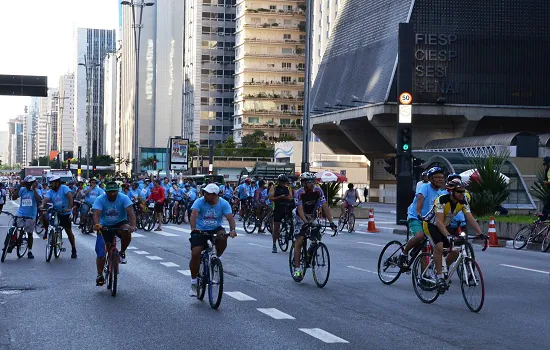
[{"x": 460, "y": 191}]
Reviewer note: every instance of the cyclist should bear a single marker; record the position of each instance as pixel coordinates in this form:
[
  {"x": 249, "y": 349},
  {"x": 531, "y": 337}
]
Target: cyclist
[
  {"x": 259, "y": 202},
  {"x": 350, "y": 197},
  {"x": 177, "y": 194},
  {"x": 28, "y": 208},
  {"x": 243, "y": 192},
  {"x": 459, "y": 219},
  {"x": 90, "y": 195},
  {"x": 421, "y": 205},
  {"x": 62, "y": 199},
  {"x": 422, "y": 182},
  {"x": 2, "y": 196},
  {"x": 282, "y": 196},
  {"x": 113, "y": 210},
  {"x": 307, "y": 199},
  {"x": 207, "y": 216},
  {"x": 439, "y": 217},
  {"x": 158, "y": 196}
]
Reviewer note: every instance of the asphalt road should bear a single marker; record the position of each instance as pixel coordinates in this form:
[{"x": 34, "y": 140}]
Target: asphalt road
[{"x": 56, "y": 305}]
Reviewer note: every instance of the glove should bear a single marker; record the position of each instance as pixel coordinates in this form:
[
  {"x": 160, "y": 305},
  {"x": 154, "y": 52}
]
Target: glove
[{"x": 459, "y": 240}]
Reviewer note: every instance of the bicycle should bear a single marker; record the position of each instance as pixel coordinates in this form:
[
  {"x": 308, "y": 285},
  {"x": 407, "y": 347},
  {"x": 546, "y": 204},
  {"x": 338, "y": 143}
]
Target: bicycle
[
  {"x": 112, "y": 259},
  {"x": 250, "y": 221},
  {"x": 15, "y": 238},
  {"x": 347, "y": 218},
  {"x": 286, "y": 232},
  {"x": 210, "y": 272},
  {"x": 149, "y": 219},
  {"x": 424, "y": 278},
  {"x": 86, "y": 226},
  {"x": 316, "y": 248},
  {"x": 54, "y": 244},
  {"x": 39, "y": 225},
  {"x": 533, "y": 232}
]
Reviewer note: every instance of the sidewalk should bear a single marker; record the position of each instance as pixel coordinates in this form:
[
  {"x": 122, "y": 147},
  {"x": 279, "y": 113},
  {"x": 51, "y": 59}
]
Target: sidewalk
[{"x": 380, "y": 207}]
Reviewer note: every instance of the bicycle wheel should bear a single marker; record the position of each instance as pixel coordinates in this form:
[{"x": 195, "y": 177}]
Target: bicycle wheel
[
  {"x": 180, "y": 215},
  {"x": 39, "y": 226},
  {"x": 351, "y": 223},
  {"x": 113, "y": 272},
  {"x": 166, "y": 215},
  {"x": 545, "y": 244},
  {"x": 283, "y": 237},
  {"x": 107, "y": 270},
  {"x": 320, "y": 260},
  {"x": 89, "y": 225},
  {"x": 49, "y": 244},
  {"x": 291, "y": 263},
  {"x": 472, "y": 286},
  {"x": 215, "y": 287},
  {"x": 522, "y": 237},
  {"x": 388, "y": 265},
  {"x": 57, "y": 248},
  {"x": 249, "y": 223},
  {"x": 7, "y": 243},
  {"x": 22, "y": 243},
  {"x": 149, "y": 221},
  {"x": 201, "y": 280},
  {"x": 424, "y": 280},
  {"x": 342, "y": 222},
  {"x": 76, "y": 218}
]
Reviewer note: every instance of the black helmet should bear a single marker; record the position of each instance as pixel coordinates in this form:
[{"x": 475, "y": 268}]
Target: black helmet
[
  {"x": 453, "y": 176},
  {"x": 282, "y": 178}
]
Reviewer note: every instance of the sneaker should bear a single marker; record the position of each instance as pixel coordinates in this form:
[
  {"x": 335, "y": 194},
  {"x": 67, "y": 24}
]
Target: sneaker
[
  {"x": 30, "y": 255},
  {"x": 193, "y": 290},
  {"x": 99, "y": 281},
  {"x": 123, "y": 258},
  {"x": 274, "y": 250},
  {"x": 404, "y": 261},
  {"x": 441, "y": 285},
  {"x": 298, "y": 274},
  {"x": 73, "y": 254}
]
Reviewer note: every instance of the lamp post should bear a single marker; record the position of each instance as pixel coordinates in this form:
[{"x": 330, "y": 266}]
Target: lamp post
[
  {"x": 88, "y": 65},
  {"x": 307, "y": 87},
  {"x": 137, "y": 40}
]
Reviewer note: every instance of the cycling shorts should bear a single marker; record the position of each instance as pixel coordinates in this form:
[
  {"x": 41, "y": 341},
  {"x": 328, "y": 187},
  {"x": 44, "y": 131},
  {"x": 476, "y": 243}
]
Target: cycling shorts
[
  {"x": 106, "y": 237},
  {"x": 84, "y": 208},
  {"x": 415, "y": 226},
  {"x": 437, "y": 237},
  {"x": 199, "y": 240},
  {"x": 279, "y": 213}
]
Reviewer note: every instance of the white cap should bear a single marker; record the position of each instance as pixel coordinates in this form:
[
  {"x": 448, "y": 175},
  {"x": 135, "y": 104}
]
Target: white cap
[
  {"x": 212, "y": 188},
  {"x": 54, "y": 178}
]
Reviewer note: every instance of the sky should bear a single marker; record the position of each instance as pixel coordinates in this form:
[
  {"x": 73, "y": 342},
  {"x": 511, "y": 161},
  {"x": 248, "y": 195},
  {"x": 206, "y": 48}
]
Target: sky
[{"x": 36, "y": 38}]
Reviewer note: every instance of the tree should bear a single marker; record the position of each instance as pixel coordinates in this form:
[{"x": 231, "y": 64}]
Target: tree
[
  {"x": 539, "y": 190},
  {"x": 287, "y": 137},
  {"x": 229, "y": 143},
  {"x": 148, "y": 162},
  {"x": 253, "y": 140},
  {"x": 105, "y": 160},
  {"x": 489, "y": 188}
]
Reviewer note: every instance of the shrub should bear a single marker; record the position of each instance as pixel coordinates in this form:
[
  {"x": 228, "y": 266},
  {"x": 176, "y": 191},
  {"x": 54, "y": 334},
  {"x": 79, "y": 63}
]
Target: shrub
[
  {"x": 539, "y": 190},
  {"x": 331, "y": 189}
]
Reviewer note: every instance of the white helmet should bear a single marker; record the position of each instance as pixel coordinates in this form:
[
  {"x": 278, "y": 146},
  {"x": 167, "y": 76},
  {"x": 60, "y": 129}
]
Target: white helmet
[
  {"x": 29, "y": 178},
  {"x": 54, "y": 178},
  {"x": 307, "y": 176}
]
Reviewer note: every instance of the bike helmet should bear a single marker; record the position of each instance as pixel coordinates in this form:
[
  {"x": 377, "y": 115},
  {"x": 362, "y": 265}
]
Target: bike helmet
[
  {"x": 453, "y": 176},
  {"x": 282, "y": 178},
  {"x": 307, "y": 177},
  {"x": 454, "y": 184},
  {"x": 29, "y": 179},
  {"x": 425, "y": 173},
  {"x": 247, "y": 180},
  {"x": 434, "y": 171}
]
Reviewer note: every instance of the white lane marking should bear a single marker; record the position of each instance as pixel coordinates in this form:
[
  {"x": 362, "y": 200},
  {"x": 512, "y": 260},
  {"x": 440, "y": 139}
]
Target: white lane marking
[
  {"x": 367, "y": 233},
  {"x": 360, "y": 269},
  {"x": 239, "y": 296},
  {"x": 141, "y": 252},
  {"x": 166, "y": 234},
  {"x": 322, "y": 335},
  {"x": 524, "y": 268},
  {"x": 186, "y": 230},
  {"x": 380, "y": 222},
  {"x": 185, "y": 272},
  {"x": 169, "y": 264},
  {"x": 131, "y": 248},
  {"x": 258, "y": 245},
  {"x": 387, "y": 228},
  {"x": 374, "y": 244},
  {"x": 276, "y": 314},
  {"x": 135, "y": 234},
  {"x": 154, "y": 257}
]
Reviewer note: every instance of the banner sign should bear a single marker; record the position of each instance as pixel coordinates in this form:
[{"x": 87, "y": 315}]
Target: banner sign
[{"x": 179, "y": 150}]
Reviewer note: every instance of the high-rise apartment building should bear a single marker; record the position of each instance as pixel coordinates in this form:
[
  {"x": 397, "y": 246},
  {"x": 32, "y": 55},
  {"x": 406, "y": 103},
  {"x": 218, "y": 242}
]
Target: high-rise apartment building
[
  {"x": 46, "y": 130},
  {"x": 325, "y": 13},
  {"x": 34, "y": 111},
  {"x": 269, "y": 69},
  {"x": 209, "y": 69},
  {"x": 92, "y": 45},
  {"x": 4, "y": 147},
  {"x": 16, "y": 140},
  {"x": 109, "y": 104},
  {"x": 160, "y": 76},
  {"x": 65, "y": 115}
]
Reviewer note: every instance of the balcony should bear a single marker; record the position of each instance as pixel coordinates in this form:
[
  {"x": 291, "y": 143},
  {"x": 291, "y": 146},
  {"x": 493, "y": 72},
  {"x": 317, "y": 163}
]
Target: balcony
[
  {"x": 271, "y": 69},
  {"x": 286, "y": 84},
  {"x": 270, "y": 126},
  {"x": 273, "y": 26},
  {"x": 270, "y": 97},
  {"x": 268, "y": 12},
  {"x": 274, "y": 41},
  {"x": 258, "y": 112},
  {"x": 298, "y": 55}
]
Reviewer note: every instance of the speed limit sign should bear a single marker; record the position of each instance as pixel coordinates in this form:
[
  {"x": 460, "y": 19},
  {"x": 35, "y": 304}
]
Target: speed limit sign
[{"x": 405, "y": 98}]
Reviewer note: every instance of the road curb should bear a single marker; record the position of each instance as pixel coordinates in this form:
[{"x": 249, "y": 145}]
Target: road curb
[{"x": 530, "y": 246}]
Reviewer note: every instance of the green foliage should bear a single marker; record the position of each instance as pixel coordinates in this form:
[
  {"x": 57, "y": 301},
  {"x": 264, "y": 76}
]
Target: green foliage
[
  {"x": 105, "y": 160},
  {"x": 253, "y": 140},
  {"x": 147, "y": 162},
  {"x": 331, "y": 189},
  {"x": 539, "y": 190},
  {"x": 491, "y": 190}
]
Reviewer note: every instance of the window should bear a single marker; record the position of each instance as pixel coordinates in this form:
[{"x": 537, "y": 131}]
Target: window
[
  {"x": 284, "y": 108},
  {"x": 328, "y": 34},
  {"x": 254, "y": 120},
  {"x": 286, "y": 65},
  {"x": 300, "y": 79},
  {"x": 287, "y": 22},
  {"x": 287, "y": 36},
  {"x": 286, "y": 79},
  {"x": 272, "y": 7},
  {"x": 287, "y": 51},
  {"x": 284, "y": 121},
  {"x": 328, "y": 19}
]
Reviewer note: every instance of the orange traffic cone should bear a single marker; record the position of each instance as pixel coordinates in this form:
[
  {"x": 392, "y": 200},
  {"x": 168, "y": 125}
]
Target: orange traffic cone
[
  {"x": 493, "y": 240},
  {"x": 371, "y": 226}
]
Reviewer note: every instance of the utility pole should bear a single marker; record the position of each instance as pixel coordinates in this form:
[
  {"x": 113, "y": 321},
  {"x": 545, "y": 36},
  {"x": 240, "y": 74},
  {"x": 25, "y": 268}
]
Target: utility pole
[
  {"x": 88, "y": 65},
  {"x": 306, "y": 133}
]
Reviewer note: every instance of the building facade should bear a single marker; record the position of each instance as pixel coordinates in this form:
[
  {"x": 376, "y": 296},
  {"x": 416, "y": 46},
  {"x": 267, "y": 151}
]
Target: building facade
[
  {"x": 269, "y": 69},
  {"x": 109, "y": 104},
  {"x": 324, "y": 20},
  {"x": 92, "y": 45},
  {"x": 34, "y": 111},
  {"x": 160, "y": 76},
  {"x": 46, "y": 130},
  {"x": 208, "y": 70},
  {"x": 65, "y": 114}
]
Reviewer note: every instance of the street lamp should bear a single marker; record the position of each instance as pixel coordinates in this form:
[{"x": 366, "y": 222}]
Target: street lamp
[
  {"x": 88, "y": 65},
  {"x": 137, "y": 40}
]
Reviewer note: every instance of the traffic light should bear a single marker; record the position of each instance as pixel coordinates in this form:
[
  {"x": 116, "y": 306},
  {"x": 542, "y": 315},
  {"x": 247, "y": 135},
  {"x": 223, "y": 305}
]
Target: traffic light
[
  {"x": 405, "y": 138},
  {"x": 155, "y": 162},
  {"x": 390, "y": 167}
]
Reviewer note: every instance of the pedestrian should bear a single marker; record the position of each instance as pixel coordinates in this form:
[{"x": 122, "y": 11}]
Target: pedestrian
[{"x": 366, "y": 193}]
